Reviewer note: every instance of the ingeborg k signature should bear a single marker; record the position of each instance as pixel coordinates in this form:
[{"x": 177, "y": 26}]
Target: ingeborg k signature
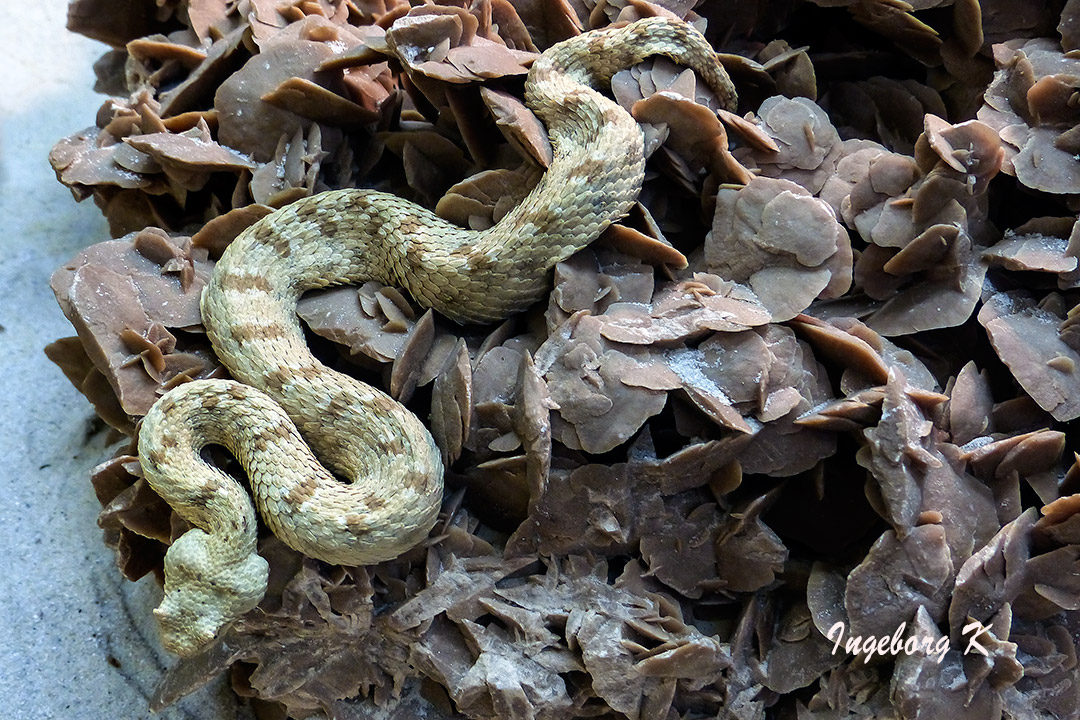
[{"x": 895, "y": 644}]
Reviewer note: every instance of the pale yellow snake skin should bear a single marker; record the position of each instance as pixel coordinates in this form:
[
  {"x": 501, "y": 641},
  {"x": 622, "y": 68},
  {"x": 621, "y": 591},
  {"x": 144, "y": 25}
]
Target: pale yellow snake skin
[{"x": 388, "y": 459}]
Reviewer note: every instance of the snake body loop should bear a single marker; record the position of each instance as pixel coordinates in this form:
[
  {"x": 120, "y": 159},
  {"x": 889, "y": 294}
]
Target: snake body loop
[{"x": 388, "y": 459}]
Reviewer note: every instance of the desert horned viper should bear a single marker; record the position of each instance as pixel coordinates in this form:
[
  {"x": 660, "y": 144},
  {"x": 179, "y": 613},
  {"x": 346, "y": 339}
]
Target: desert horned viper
[{"x": 392, "y": 466}]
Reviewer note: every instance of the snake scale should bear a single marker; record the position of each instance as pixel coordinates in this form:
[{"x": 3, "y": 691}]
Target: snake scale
[{"x": 283, "y": 401}]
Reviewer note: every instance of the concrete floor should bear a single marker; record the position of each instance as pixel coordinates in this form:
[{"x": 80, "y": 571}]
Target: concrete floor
[{"x": 77, "y": 640}]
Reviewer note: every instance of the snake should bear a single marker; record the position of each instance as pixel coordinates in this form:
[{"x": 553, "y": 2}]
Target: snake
[{"x": 338, "y": 469}]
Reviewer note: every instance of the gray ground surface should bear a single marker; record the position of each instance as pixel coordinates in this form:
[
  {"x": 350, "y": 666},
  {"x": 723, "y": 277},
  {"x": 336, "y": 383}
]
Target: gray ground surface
[{"x": 76, "y": 641}]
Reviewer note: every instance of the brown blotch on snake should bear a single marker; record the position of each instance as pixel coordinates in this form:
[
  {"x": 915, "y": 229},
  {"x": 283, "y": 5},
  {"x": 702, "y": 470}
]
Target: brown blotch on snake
[
  {"x": 392, "y": 467},
  {"x": 246, "y": 332},
  {"x": 244, "y": 282}
]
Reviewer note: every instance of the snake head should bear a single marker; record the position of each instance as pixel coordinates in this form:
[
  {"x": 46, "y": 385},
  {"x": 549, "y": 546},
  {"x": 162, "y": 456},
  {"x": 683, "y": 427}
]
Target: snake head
[{"x": 204, "y": 592}]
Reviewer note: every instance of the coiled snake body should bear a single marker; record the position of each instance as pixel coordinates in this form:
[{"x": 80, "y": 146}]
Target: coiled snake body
[{"x": 389, "y": 460}]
